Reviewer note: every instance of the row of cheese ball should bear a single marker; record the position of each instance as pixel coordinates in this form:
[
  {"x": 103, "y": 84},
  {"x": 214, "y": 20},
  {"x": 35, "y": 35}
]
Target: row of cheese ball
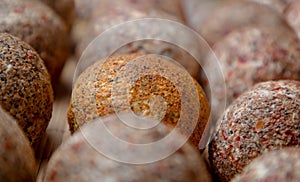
[{"x": 265, "y": 118}]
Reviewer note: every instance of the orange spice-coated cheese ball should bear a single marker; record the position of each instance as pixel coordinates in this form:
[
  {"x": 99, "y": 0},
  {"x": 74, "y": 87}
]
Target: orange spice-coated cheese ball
[
  {"x": 95, "y": 93},
  {"x": 26, "y": 91}
]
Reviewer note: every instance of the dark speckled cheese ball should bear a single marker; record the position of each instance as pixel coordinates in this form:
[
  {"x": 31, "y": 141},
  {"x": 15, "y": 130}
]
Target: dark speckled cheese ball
[
  {"x": 275, "y": 166},
  {"x": 39, "y": 26},
  {"x": 25, "y": 87},
  {"x": 265, "y": 118}
]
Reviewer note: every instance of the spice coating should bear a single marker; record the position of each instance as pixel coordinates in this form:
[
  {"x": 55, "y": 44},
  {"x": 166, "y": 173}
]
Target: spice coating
[
  {"x": 265, "y": 118},
  {"x": 26, "y": 91}
]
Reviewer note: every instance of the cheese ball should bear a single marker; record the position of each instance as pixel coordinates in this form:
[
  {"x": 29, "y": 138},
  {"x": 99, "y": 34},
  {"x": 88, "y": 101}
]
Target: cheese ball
[
  {"x": 215, "y": 19},
  {"x": 265, "y": 118},
  {"x": 292, "y": 16},
  {"x": 64, "y": 8},
  {"x": 37, "y": 24},
  {"x": 110, "y": 14},
  {"x": 255, "y": 54},
  {"x": 26, "y": 91},
  {"x": 114, "y": 10},
  {"x": 280, "y": 165},
  {"x": 290, "y": 10},
  {"x": 95, "y": 93},
  {"x": 16, "y": 156},
  {"x": 106, "y": 14},
  {"x": 80, "y": 159}
]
